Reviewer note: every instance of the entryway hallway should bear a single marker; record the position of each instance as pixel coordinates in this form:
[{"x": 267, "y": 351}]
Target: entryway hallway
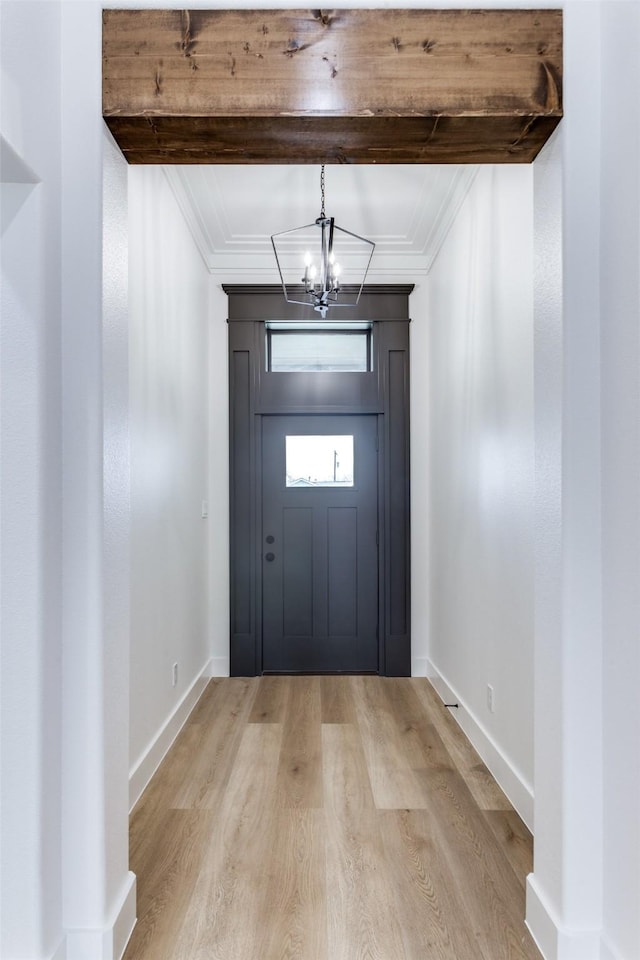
[{"x": 327, "y": 818}]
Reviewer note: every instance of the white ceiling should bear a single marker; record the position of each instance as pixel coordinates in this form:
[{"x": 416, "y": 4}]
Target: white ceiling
[{"x": 233, "y": 210}]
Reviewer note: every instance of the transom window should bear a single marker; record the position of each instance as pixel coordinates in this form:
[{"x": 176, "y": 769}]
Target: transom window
[{"x": 313, "y": 351}]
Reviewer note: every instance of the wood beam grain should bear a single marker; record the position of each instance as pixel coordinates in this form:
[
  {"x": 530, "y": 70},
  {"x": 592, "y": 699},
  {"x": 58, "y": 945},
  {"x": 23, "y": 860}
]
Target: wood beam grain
[{"x": 342, "y": 86}]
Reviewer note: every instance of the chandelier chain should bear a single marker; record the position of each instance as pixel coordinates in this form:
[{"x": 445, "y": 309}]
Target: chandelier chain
[{"x": 322, "y": 213}]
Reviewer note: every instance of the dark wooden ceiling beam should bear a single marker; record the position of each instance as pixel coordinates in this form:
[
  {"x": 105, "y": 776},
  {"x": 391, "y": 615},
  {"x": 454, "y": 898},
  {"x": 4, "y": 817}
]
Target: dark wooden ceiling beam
[{"x": 340, "y": 86}]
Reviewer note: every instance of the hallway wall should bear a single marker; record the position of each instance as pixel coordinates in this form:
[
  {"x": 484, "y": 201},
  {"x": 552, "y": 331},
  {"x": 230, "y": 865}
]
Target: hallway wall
[
  {"x": 620, "y": 363},
  {"x": 31, "y": 484},
  {"x": 169, "y": 409},
  {"x": 66, "y": 889},
  {"x": 477, "y": 306}
]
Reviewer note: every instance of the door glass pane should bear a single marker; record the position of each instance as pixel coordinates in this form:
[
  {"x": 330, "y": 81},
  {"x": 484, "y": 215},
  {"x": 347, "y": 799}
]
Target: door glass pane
[
  {"x": 319, "y": 461},
  {"x": 311, "y": 351}
]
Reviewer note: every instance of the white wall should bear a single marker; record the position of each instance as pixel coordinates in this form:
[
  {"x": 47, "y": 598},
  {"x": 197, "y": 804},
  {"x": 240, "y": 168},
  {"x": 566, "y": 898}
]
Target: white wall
[
  {"x": 66, "y": 888},
  {"x": 98, "y": 890},
  {"x": 31, "y": 477},
  {"x": 478, "y": 310},
  {"x": 582, "y": 899},
  {"x": 620, "y": 354},
  {"x": 170, "y": 409}
]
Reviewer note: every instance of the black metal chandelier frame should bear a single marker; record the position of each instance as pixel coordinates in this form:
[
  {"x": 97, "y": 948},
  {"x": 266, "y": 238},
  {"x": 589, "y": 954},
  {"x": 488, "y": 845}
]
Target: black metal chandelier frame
[{"x": 320, "y": 286}]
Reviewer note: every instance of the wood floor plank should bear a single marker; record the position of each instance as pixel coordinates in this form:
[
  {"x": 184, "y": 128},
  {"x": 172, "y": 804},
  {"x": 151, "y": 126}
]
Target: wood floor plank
[
  {"x": 300, "y": 767},
  {"x": 219, "y": 741},
  {"x": 456, "y": 743},
  {"x": 294, "y": 918},
  {"x": 270, "y": 703},
  {"x": 345, "y": 775},
  {"x": 362, "y": 918},
  {"x": 336, "y": 695},
  {"x": 206, "y": 708},
  {"x": 465, "y": 758},
  {"x": 492, "y": 903},
  {"x": 484, "y": 788},
  {"x": 515, "y": 841},
  {"x": 429, "y": 905},
  {"x": 224, "y": 917},
  {"x": 420, "y": 740},
  {"x": 392, "y": 778},
  {"x": 166, "y": 882},
  {"x": 159, "y": 794}
]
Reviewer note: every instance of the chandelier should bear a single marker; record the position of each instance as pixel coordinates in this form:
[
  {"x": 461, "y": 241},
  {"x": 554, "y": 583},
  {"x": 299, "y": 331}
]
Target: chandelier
[{"x": 312, "y": 261}]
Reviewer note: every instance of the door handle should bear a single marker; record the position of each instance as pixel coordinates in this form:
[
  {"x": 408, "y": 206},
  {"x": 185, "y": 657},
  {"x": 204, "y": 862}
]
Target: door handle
[{"x": 269, "y": 557}]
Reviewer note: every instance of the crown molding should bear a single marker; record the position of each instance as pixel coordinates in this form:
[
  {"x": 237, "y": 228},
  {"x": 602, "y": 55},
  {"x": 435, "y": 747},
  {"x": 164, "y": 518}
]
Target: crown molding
[
  {"x": 449, "y": 208},
  {"x": 254, "y": 258},
  {"x": 189, "y": 209}
]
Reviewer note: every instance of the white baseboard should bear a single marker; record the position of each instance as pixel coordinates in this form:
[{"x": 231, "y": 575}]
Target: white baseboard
[
  {"x": 218, "y": 667},
  {"x": 431, "y": 673},
  {"x": 541, "y": 921},
  {"x": 108, "y": 943},
  {"x": 126, "y": 918},
  {"x": 156, "y": 751},
  {"x": 506, "y": 775},
  {"x": 554, "y": 941},
  {"x": 419, "y": 666}
]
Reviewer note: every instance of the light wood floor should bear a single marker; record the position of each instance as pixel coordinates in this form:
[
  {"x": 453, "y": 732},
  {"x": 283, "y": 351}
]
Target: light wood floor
[{"x": 327, "y": 818}]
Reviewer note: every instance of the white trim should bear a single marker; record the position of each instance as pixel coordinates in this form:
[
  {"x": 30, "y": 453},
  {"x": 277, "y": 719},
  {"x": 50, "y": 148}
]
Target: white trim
[
  {"x": 448, "y": 212},
  {"x": 554, "y": 941},
  {"x": 218, "y": 667},
  {"x": 608, "y": 951},
  {"x": 60, "y": 953},
  {"x": 157, "y": 749},
  {"x": 13, "y": 168},
  {"x": 419, "y": 666},
  {"x": 430, "y": 673},
  {"x": 189, "y": 211},
  {"x": 540, "y": 920},
  {"x": 110, "y": 942},
  {"x": 509, "y": 778},
  {"x": 126, "y": 919},
  {"x": 251, "y": 256}
]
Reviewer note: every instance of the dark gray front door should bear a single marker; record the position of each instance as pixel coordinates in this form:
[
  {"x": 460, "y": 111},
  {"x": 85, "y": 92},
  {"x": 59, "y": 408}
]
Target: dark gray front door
[{"x": 319, "y": 543}]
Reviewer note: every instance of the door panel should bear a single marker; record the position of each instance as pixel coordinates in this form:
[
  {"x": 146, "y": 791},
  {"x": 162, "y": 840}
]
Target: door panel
[
  {"x": 297, "y": 570},
  {"x": 342, "y": 570},
  {"x": 319, "y": 549}
]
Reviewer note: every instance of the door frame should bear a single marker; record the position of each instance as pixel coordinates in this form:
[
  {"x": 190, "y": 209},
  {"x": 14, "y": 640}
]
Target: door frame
[{"x": 254, "y": 392}]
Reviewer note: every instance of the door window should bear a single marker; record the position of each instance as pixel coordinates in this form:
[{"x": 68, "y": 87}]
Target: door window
[{"x": 319, "y": 461}]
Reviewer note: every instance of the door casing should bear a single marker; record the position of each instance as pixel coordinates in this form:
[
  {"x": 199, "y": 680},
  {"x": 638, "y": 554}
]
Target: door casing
[{"x": 255, "y": 392}]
